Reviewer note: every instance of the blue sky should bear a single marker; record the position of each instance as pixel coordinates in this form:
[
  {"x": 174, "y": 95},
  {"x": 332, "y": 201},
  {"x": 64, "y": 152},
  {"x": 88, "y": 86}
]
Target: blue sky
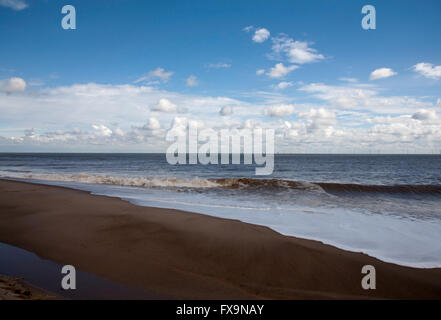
[{"x": 125, "y": 56}]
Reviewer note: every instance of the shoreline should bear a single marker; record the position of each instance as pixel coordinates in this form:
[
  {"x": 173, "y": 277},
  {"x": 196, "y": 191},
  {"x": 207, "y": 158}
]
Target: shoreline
[
  {"x": 187, "y": 255},
  {"x": 388, "y": 256}
]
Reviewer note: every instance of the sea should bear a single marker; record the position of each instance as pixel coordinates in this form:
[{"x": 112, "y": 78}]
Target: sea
[{"x": 387, "y": 206}]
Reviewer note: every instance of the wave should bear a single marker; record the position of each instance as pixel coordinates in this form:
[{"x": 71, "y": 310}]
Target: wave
[
  {"x": 327, "y": 187},
  {"x": 242, "y": 183},
  {"x": 229, "y": 183},
  {"x": 145, "y": 182},
  {"x": 403, "y": 189}
]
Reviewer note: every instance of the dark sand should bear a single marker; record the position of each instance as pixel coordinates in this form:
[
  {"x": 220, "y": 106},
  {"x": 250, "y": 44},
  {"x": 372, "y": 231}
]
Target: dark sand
[{"x": 185, "y": 255}]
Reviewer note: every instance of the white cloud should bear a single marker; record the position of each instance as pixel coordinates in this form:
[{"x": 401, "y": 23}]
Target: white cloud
[
  {"x": 295, "y": 51},
  {"x": 279, "y": 111},
  {"x": 279, "y": 70},
  {"x": 118, "y": 132},
  {"x": 319, "y": 119},
  {"x": 361, "y": 98},
  {"x": 428, "y": 70},
  {"x": 119, "y": 108},
  {"x": 152, "y": 124},
  {"x": 196, "y": 124},
  {"x": 248, "y": 124},
  {"x": 226, "y": 111},
  {"x": 407, "y": 129},
  {"x": 192, "y": 81},
  {"x": 178, "y": 126},
  {"x": 425, "y": 115},
  {"x": 260, "y": 35},
  {"x": 219, "y": 65},
  {"x": 14, "y": 4},
  {"x": 165, "y": 105},
  {"x": 382, "y": 73},
  {"x": 350, "y": 80},
  {"x": 110, "y": 118},
  {"x": 158, "y": 73},
  {"x": 248, "y": 28},
  {"x": 260, "y": 72},
  {"x": 102, "y": 130},
  {"x": 13, "y": 85},
  {"x": 283, "y": 85},
  {"x": 321, "y": 113}
]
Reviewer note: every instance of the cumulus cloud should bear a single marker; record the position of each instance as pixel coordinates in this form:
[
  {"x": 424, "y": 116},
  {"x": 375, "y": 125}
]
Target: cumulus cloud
[
  {"x": 320, "y": 113},
  {"x": 279, "y": 111},
  {"x": 319, "y": 119},
  {"x": 260, "y": 72},
  {"x": 428, "y": 70},
  {"x": 158, "y": 73},
  {"x": 226, "y": 111},
  {"x": 164, "y": 105},
  {"x": 152, "y": 124},
  {"x": 101, "y": 135},
  {"x": 407, "y": 129},
  {"x": 283, "y": 85},
  {"x": 102, "y": 130},
  {"x": 382, "y": 73},
  {"x": 13, "y": 85},
  {"x": 279, "y": 70},
  {"x": 260, "y": 35},
  {"x": 14, "y": 4},
  {"x": 192, "y": 81},
  {"x": 295, "y": 51},
  {"x": 179, "y": 126},
  {"x": 119, "y": 108},
  {"x": 425, "y": 115},
  {"x": 110, "y": 117}
]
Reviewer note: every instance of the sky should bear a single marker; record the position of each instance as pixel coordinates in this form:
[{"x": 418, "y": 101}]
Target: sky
[{"x": 133, "y": 70}]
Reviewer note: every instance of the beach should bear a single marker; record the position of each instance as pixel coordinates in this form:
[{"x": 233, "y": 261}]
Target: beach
[{"x": 184, "y": 255}]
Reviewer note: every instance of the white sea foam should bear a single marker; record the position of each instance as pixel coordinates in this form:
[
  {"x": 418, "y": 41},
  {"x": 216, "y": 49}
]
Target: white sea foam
[{"x": 116, "y": 180}]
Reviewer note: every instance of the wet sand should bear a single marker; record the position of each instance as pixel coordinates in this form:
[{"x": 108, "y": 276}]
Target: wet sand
[
  {"x": 46, "y": 275},
  {"x": 185, "y": 255}
]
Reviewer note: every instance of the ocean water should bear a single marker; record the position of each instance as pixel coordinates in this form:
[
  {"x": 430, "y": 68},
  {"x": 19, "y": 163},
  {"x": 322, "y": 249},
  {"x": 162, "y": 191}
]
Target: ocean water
[{"x": 388, "y": 206}]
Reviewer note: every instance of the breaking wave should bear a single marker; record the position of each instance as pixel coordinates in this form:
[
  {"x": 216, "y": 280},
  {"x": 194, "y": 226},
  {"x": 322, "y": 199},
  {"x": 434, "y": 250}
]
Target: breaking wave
[
  {"x": 402, "y": 189},
  {"x": 229, "y": 183},
  {"x": 328, "y": 187},
  {"x": 144, "y": 182}
]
